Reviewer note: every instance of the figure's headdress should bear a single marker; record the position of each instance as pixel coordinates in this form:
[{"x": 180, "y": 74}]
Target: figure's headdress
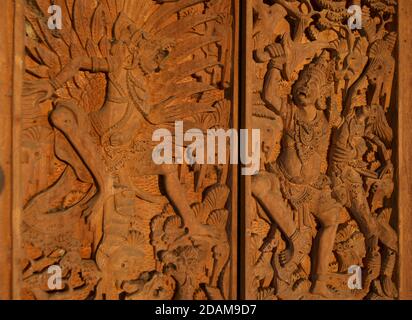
[{"x": 319, "y": 69}]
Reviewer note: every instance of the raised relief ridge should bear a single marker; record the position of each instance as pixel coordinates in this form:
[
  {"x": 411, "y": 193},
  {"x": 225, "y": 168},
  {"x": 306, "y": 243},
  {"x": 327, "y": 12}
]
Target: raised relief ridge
[{"x": 324, "y": 200}]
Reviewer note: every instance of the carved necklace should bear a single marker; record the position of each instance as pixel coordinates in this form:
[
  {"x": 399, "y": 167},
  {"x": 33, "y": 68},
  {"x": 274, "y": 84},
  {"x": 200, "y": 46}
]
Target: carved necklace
[{"x": 308, "y": 137}]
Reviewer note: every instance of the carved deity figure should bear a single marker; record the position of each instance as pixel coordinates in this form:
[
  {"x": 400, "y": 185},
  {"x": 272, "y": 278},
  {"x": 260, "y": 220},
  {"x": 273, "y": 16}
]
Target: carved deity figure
[
  {"x": 297, "y": 175},
  {"x": 348, "y": 172},
  {"x": 125, "y": 114},
  {"x": 364, "y": 125}
]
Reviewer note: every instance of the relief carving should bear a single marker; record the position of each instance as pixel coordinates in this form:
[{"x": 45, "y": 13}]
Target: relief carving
[
  {"x": 118, "y": 225},
  {"x": 323, "y": 200}
]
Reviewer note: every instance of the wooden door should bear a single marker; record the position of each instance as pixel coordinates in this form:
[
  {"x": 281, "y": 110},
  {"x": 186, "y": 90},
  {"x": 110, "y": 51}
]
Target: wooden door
[
  {"x": 87, "y": 213},
  {"x": 89, "y": 92}
]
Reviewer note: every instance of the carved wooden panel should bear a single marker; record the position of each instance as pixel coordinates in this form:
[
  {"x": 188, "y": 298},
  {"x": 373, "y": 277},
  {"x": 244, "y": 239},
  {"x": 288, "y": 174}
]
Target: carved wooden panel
[
  {"x": 323, "y": 96},
  {"x": 80, "y": 194},
  {"x": 95, "y": 204}
]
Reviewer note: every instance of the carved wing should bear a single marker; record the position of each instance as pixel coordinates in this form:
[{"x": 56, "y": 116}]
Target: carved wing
[
  {"x": 86, "y": 31},
  {"x": 176, "y": 65}
]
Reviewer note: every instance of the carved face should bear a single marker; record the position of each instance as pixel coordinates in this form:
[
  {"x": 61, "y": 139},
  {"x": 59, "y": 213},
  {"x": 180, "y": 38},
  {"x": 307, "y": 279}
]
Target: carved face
[
  {"x": 362, "y": 113},
  {"x": 306, "y": 91},
  {"x": 367, "y": 113},
  {"x": 152, "y": 63},
  {"x": 153, "y": 55}
]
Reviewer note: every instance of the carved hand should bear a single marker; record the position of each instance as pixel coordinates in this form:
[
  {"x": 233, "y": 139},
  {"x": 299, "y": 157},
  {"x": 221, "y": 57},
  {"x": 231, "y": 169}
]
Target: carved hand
[{"x": 158, "y": 113}]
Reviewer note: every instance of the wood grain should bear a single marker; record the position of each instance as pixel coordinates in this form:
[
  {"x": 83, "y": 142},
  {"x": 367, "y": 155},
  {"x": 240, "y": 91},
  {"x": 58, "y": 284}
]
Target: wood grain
[{"x": 405, "y": 148}]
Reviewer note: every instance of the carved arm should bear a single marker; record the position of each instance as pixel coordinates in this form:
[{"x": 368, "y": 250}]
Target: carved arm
[
  {"x": 269, "y": 94},
  {"x": 92, "y": 64}
]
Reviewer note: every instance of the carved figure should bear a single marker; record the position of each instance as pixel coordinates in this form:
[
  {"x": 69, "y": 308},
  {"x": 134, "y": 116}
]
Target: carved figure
[
  {"x": 155, "y": 62},
  {"x": 328, "y": 173}
]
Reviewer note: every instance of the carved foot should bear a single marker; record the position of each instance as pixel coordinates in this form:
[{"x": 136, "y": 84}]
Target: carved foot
[
  {"x": 320, "y": 288},
  {"x": 287, "y": 261},
  {"x": 389, "y": 287}
]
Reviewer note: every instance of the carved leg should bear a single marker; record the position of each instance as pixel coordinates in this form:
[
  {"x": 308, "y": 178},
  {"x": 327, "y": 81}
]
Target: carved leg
[
  {"x": 361, "y": 213},
  {"x": 221, "y": 253},
  {"x": 64, "y": 151},
  {"x": 266, "y": 189},
  {"x": 388, "y": 266},
  {"x": 74, "y": 124},
  {"x": 387, "y": 235},
  {"x": 177, "y": 197},
  {"x": 369, "y": 225}
]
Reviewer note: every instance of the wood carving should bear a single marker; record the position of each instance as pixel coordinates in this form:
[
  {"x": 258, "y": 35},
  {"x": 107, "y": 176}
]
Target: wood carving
[
  {"x": 1, "y": 180},
  {"x": 323, "y": 200},
  {"x": 119, "y": 226}
]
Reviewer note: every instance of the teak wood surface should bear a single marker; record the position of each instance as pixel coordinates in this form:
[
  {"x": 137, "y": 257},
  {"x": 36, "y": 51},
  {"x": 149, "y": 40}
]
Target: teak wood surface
[{"x": 78, "y": 188}]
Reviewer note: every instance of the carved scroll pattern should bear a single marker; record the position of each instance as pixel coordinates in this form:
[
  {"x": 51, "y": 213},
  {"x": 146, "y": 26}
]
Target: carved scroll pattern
[
  {"x": 119, "y": 226},
  {"x": 323, "y": 201}
]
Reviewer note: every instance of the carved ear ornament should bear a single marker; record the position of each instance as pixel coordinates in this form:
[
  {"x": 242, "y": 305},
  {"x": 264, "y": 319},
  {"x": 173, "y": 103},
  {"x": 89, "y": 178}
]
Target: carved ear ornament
[{"x": 321, "y": 103}]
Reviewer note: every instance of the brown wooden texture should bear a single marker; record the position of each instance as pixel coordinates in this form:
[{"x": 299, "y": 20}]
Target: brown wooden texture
[
  {"x": 79, "y": 190},
  {"x": 405, "y": 149},
  {"x": 323, "y": 96},
  {"x": 95, "y": 204}
]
